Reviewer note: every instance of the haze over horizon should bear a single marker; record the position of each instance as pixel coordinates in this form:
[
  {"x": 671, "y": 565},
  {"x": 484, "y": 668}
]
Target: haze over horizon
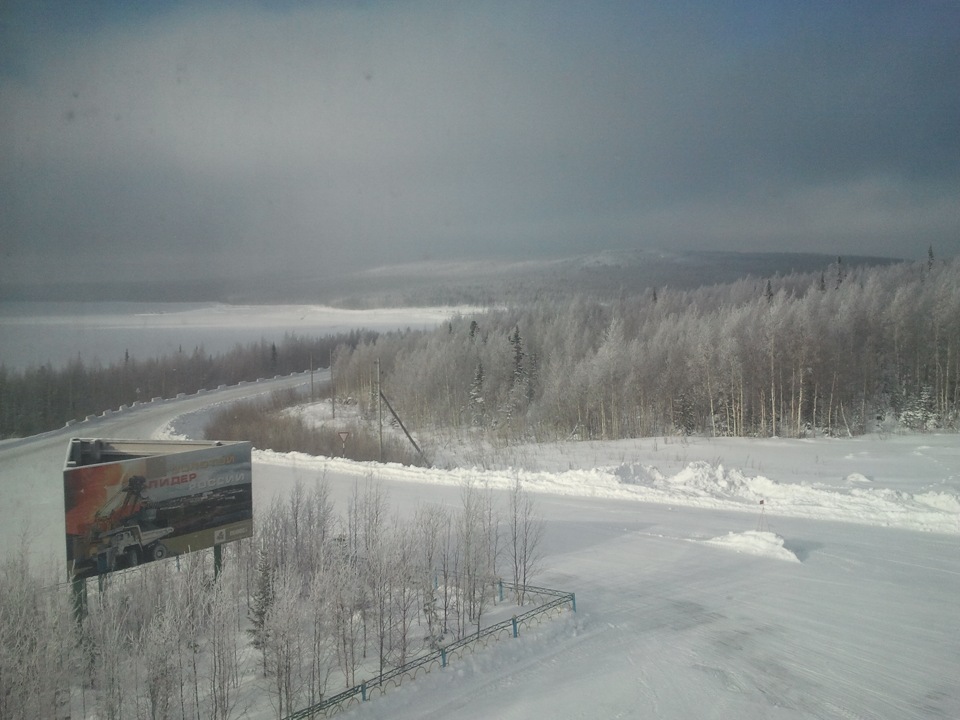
[{"x": 192, "y": 140}]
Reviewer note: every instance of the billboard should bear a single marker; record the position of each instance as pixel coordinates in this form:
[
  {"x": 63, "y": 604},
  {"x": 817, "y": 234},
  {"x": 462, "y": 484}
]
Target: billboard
[{"x": 129, "y": 502}]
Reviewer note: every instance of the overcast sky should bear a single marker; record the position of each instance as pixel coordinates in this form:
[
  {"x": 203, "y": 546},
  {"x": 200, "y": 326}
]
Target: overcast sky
[{"x": 205, "y": 137}]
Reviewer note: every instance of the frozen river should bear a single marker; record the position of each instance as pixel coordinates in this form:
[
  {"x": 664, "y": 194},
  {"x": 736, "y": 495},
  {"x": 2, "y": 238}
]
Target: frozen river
[{"x": 38, "y": 333}]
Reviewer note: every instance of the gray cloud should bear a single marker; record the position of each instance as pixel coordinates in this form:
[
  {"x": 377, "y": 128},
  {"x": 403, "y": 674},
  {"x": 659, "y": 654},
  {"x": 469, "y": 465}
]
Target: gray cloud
[{"x": 218, "y": 139}]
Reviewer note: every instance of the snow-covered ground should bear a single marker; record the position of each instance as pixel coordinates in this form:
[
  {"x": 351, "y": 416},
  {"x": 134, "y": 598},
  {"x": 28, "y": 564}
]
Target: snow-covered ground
[
  {"x": 903, "y": 481},
  {"x": 835, "y": 598}
]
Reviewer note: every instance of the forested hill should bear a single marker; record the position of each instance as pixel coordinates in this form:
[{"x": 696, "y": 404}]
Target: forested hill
[
  {"x": 432, "y": 282},
  {"x": 842, "y": 351},
  {"x": 602, "y": 275}
]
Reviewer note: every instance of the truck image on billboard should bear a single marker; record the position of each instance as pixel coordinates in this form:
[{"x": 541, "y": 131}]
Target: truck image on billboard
[{"x": 129, "y": 502}]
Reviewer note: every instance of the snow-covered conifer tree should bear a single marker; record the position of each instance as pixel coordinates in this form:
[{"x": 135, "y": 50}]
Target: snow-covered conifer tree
[{"x": 263, "y": 598}]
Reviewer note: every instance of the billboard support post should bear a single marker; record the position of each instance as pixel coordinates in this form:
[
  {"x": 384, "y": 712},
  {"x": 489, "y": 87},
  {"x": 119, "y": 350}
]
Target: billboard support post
[
  {"x": 79, "y": 598},
  {"x": 217, "y": 560}
]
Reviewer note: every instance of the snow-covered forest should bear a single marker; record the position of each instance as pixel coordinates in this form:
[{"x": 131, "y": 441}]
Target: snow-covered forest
[
  {"x": 315, "y": 603},
  {"x": 837, "y": 353}
]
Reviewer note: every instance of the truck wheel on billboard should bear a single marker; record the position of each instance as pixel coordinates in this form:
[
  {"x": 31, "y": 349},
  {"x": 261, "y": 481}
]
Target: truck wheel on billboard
[{"x": 158, "y": 551}]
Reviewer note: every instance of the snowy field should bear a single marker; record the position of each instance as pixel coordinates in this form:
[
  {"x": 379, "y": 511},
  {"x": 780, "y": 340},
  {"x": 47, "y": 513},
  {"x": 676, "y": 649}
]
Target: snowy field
[
  {"x": 835, "y": 598},
  {"x": 909, "y": 482},
  {"x": 839, "y": 600}
]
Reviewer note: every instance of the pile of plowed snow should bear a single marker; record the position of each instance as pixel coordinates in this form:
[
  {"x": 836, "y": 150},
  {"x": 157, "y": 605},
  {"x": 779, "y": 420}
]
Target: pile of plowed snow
[
  {"x": 706, "y": 485},
  {"x": 754, "y": 542}
]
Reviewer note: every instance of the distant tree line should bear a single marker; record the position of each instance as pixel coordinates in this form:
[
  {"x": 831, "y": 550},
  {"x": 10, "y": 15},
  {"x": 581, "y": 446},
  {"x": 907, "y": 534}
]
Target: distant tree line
[
  {"x": 839, "y": 352},
  {"x": 45, "y": 398},
  {"x": 316, "y": 602}
]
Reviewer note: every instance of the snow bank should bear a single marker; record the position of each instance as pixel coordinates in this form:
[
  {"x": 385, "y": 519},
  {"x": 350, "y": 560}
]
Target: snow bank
[
  {"x": 763, "y": 544},
  {"x": 697, "y": 484}
]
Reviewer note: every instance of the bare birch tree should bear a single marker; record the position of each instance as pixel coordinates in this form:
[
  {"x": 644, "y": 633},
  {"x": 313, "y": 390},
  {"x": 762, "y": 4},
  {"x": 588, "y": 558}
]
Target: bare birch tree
[
  {"x": 284, "y": 642},
  {"x": 526, "y": 533}
]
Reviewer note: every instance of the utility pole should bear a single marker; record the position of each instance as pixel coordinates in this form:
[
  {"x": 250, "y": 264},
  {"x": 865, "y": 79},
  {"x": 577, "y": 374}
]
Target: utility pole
[
  {"x": 333, "y": 389},
  {"x": 311, "y": 377}
]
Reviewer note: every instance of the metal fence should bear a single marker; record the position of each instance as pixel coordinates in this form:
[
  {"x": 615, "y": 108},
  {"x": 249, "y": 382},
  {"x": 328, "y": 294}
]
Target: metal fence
[{"x": 556, "y": 601}]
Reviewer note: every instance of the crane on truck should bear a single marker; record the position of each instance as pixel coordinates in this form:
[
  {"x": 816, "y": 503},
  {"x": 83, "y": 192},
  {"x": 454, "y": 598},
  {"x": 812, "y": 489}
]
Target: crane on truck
[{"x": 123, "y": 529}]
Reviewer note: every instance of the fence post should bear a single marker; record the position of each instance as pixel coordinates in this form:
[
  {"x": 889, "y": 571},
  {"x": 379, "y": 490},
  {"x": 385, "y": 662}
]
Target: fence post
[
  {"x": 515, "y": 626},
  {"x": 363, "y": 691},
  {"x": 501, "y": 589},
  {"x": 443, "y": 657},
  {"x": 573, "y": 599}
]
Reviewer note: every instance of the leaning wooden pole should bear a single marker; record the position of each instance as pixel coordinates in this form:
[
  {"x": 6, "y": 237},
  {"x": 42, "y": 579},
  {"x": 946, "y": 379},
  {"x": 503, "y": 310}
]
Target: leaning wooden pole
[{"x": 400, "y": 423}]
